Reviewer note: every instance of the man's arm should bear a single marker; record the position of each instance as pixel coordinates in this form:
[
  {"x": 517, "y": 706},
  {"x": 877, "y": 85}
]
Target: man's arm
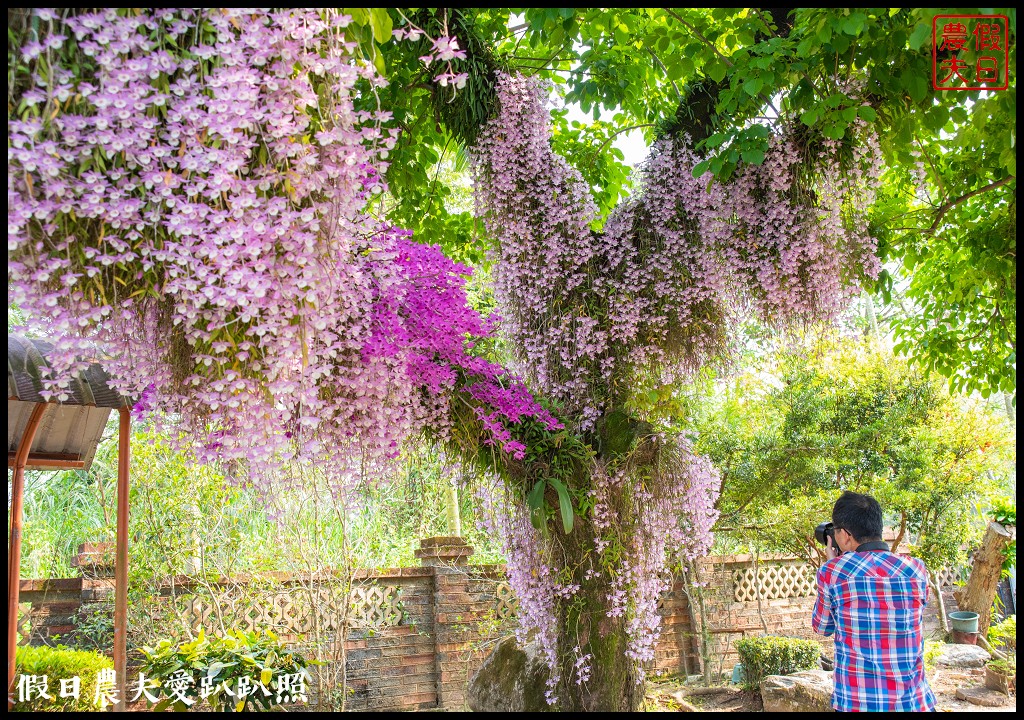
[{"x": 822, "y": 621}]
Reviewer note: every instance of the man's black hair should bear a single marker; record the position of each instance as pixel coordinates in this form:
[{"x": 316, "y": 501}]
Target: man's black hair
[{"x": 860, "y": 515}]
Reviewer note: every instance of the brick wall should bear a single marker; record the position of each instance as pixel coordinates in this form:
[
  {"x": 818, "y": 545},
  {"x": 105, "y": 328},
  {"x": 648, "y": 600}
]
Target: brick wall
[
  {"x": 418, "y": 634},
  {"x": 786, "y": 589}
]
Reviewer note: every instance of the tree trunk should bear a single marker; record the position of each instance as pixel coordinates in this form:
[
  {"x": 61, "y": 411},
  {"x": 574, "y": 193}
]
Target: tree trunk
[
  {"x": 451, "y": 502},
  {"x": 613, "y": 685},
  {"x": 939, "y": 602},
  {"x": 980, "y": 591}
]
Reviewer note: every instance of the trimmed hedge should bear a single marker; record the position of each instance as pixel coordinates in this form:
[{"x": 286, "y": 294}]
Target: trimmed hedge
[
  {"x": 772, "y": 655},
  {"x": 60, "y": 663}
]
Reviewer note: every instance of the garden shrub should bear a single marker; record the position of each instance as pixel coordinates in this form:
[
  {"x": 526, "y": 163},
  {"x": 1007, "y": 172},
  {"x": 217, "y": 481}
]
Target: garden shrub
[
  {"x": 250, "y": 664},
  {"x": 772, "y": 655},
  {"x": 57, "y": 664},
  {"x": 1003, "y": 635}
]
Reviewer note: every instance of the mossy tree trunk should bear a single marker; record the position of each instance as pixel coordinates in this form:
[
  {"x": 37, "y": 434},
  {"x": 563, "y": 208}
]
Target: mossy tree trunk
[{"x": 613, "y": 683}]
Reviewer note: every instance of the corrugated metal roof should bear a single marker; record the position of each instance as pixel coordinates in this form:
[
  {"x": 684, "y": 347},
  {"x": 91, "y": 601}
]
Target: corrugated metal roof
[
  {"x": 68, "y": 431},
  {"x": 26, "y": 357}
]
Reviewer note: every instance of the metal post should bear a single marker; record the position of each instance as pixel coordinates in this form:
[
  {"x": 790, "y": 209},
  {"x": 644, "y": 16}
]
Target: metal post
[
  {"x": 14, "y": 549},
  {"x": 121, "y": 567}
]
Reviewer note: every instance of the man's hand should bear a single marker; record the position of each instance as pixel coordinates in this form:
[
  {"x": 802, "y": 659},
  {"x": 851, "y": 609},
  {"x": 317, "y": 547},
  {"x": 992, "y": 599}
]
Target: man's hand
[{"x": 831, "y": 551}]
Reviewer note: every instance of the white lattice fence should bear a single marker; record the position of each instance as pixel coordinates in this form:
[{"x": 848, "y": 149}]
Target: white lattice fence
[
  {"x": 950, "y": 577},
  {"x": 290, "y": 611},
  {"x": 777, "y": 581}
]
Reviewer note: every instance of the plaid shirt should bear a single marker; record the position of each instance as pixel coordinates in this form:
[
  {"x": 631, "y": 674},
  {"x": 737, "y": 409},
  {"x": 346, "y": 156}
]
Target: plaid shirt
[{"x": 874, "y": 604}]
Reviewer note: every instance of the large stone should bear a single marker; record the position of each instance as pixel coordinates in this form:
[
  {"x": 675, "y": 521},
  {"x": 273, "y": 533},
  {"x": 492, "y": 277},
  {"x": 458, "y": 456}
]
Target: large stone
[
  {"x": 511, "y": 679},
  {"x": 808, "y": 691},
  {"x": 962, "y": 656},
  {"x": 982, "y": 696}
]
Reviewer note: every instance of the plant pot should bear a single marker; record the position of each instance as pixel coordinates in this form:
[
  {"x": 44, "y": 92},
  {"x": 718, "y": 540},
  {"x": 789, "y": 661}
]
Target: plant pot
[
  {"x": 964, "y": 621},
  {"x": 965, "y": 638},
  {"x": 996, "y": 680}
]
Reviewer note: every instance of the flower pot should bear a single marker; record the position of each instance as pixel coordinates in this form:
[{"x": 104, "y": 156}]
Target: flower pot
[
  {"x": 996, "y": 680},
  {"x": 964, "y": 621},
  {"x": 965, "y": 638}
]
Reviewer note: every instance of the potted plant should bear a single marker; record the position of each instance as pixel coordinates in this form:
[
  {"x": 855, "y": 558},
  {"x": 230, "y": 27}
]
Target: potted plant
[
  {"x": 1001, "y": 675},
  {"x": 1001, "y": 672}
]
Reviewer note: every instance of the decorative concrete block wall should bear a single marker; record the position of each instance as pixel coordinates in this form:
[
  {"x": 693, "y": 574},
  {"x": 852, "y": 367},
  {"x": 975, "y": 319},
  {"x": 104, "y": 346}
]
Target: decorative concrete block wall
[{"x": 414, "y": 636}]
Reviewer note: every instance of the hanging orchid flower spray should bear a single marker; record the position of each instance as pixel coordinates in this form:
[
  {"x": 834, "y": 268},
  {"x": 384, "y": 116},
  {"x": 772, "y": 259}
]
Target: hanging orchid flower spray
[
  {"x": 654, "y": 294},
  {"x": 189, "y": 191}
]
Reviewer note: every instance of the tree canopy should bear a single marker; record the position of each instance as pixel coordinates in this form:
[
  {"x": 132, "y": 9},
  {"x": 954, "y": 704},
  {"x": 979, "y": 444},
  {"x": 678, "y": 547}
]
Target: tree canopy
[
  {"x": 255, "y": 215},
  {"x": 947, "y": 224}
]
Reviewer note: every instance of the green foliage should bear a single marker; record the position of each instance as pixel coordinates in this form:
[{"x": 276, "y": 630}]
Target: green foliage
[
  {"x": 189, "y": 520},
  {"x": 840, "y": 415},
  {"x": 1004, "y": 512},
  {"x": 726, "y": 76},
  {"x": 551, "y": 476},
  {"x": 772, "y": 655},
  {"x": 933, "y": 650},
  {"x": 256, "y": 658},
  {"x": 94, "y": 625},
  {"x": 394, "y": 516},
  {"x": 56, "y": 664},
  {"x": 1003, "y": 635}
]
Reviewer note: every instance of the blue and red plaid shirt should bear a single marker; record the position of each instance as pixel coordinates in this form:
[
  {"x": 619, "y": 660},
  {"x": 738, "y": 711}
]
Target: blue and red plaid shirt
[{"x": 874, "y": 603}]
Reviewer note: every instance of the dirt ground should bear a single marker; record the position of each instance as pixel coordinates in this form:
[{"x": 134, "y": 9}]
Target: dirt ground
[{"x": 670, "y": 694}]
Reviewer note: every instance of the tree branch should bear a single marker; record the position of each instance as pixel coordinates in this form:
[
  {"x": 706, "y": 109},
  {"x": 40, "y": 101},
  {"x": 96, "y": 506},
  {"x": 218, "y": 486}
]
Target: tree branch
[
  {"x": 945, "y": 208},
  {"x": 768, "y": 27},
  {"x": 621, "y": 130},
  {"x": 727, "y": 61},
  {"x": 700, "y": 37},
  {"x": 679, "y": 95}
]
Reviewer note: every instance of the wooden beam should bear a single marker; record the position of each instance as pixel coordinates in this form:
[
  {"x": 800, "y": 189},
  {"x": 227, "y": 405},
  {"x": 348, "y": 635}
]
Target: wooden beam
[
  {"x": 121, "y": 559},
  {"x": 53, "y": 461},
  {"x": 14, "y": 549}
]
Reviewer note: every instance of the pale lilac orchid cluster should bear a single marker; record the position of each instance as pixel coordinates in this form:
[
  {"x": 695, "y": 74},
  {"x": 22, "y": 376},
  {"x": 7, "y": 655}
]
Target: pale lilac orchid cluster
[
  {"x": 206, "y": 225},
  {"x": 656, "y": 292},
  {"x": 532, "y": 575},
  {"x": 442, "y": 50},
  {"x": 645, "y": 522},
  {"x": 674, "y": 267}
]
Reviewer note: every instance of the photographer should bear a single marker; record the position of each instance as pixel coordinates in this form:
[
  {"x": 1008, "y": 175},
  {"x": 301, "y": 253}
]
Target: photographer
[{"x": 873, "y": 601}]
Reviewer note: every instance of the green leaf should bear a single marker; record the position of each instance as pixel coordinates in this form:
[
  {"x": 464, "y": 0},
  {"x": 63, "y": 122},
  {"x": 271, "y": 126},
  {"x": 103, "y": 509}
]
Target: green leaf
[
  {"x": 867, "y": 113},
  {"x": 917, "y": 87},
  {"x": 701, "y": 168},
  {"x": 717, "y": 70},
  {"x": 359, "y": 15},
  {"x": 809, "y": 117},
  {"x": 535, "y": 501},
  {"x": 381, "y": 23},
  {"x": 921, "y": 33},
  {"x": 564, "y": 504},
  {"x": 753, "y": 156}
]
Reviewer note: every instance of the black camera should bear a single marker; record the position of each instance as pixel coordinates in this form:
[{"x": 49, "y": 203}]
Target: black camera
[{"x": 824, "y": 531}]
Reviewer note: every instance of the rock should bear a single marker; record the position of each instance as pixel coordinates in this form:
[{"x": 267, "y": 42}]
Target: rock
[
  {"x": 808, "y": 691},
  {"x": 511, "y": 679},
  {"x": 962, "y": 656},
  {"x": 982, "y": 696}
]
